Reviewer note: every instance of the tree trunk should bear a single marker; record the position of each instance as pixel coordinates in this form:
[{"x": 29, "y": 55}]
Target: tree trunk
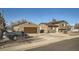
[{"x": 1, "y": 34}]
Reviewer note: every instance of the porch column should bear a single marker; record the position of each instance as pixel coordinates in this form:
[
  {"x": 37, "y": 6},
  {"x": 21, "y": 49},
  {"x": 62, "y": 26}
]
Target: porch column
[{"x": 57, "y": 29}]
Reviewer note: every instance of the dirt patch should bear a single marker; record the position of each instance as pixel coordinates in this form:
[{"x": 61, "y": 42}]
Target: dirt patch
[{"x": 11, "y": 43}]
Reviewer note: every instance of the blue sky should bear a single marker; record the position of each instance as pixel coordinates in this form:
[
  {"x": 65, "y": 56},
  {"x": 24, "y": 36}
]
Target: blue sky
[{"x": 38, "y": 15}]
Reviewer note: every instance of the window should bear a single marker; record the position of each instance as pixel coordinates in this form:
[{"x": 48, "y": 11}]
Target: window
[{"x": 63, "y": 24}]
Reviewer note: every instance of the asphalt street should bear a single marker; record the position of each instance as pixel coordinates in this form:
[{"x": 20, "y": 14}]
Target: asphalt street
[{"x": 65, "y": 45}]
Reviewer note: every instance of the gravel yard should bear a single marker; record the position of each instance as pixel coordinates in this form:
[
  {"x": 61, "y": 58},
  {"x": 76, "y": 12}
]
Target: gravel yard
[{"x": 8, "y": 43}]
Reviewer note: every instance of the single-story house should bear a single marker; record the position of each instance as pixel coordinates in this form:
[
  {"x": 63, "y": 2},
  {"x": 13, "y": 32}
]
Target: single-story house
[{"x": 26, "y": 27}]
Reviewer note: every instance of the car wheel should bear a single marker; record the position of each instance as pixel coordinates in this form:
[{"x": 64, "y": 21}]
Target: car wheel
[{"x": 15, "y": 38}]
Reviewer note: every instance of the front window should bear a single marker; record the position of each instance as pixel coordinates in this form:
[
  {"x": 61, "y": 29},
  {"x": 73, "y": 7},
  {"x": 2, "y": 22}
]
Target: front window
[{"x": 63, "y": 24}]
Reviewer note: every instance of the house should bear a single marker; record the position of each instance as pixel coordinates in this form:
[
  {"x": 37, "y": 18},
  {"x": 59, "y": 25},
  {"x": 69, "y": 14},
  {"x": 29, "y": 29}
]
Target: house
[
  {"x": 26, "y": 27},
  {"x": 43, "y": 27},
  {"x": 75, "y": 28},
  {"x": 54, "y": 26}
]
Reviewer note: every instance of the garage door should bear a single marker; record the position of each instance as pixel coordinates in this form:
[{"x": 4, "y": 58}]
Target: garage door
[{"x": 30, "y": 29}]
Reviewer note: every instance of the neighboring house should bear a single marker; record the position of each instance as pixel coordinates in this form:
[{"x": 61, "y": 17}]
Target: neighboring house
[
  {"x": 73, "y": 29},
  {"x": 54, "y": 26},
  {"x": 26, "y": 27},
  {"x": 43, "y": 27},
  {"x": 76, "y": 27}
]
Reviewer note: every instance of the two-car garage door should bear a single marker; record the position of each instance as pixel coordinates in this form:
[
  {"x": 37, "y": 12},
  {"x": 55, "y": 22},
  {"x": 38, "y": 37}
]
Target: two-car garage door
[{"x": 30, "y": 29}]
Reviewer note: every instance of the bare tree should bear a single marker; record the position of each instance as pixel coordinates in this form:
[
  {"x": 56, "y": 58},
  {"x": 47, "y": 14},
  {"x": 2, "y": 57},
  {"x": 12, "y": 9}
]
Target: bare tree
[
  {"x": 19, "y": 22},
  {"x": 2, "y": 25}
]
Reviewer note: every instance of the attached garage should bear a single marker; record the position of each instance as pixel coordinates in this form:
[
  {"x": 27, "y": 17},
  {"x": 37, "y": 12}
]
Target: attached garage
[
  {"x": 30, "y": 29},
  {"x": 26, "y": 27}
]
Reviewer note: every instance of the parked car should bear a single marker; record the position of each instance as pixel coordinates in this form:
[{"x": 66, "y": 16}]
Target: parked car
[{"x": 16, "y": 35}]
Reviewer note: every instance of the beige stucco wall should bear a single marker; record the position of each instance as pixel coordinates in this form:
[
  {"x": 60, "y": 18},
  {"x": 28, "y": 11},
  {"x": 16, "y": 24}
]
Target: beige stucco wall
[
  {"x": 43, "y": 27},
  {"x": 21, "y": 27},
  {"x": 65, "y": 26}
]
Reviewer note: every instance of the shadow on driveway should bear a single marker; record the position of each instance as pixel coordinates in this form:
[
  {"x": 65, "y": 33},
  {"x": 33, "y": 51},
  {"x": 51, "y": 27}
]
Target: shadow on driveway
[{"x": 66, "y": 45}]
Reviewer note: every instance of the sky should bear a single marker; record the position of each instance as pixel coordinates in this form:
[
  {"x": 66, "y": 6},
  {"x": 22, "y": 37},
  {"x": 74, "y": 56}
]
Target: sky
[{"x": 41, "y": 15}]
